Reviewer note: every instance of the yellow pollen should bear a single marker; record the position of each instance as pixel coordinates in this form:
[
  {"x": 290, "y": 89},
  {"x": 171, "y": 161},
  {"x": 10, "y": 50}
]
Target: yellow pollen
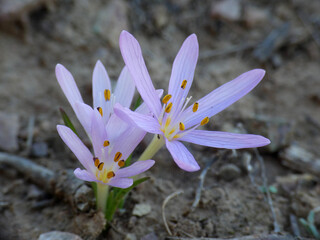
[
  {"x": 204, "y": 121},
  {"x": 106, "y": 143},
  {"x": 110, "y": 174},
  {"x": 172, "y": 131},
  {"x": 181, "y": 126},
  {"x": 168, "y": 121},
  {"x": 117, "y": 156},
  {"x": 107, "y": 94},
  {"x": 184, "y": 84},
  {"x": 121, "y": 163},
  {"x": 100, "y": 166},
  {"x": 166, "y": 98},
  {"x": 100, "y": 111},
  {"x": 168, "y": 108},
  {"x": 195, "y": 107},
  {"x": 96, "y": 161}
]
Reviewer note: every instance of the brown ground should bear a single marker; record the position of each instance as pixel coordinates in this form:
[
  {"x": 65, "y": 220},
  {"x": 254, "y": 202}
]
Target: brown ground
[{"x": 285, "y": 107}]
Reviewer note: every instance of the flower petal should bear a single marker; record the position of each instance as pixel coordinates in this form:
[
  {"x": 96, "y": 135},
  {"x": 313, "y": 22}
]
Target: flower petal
[
  {"x": 68, "y": 85},
  {"x": 125, "y": 88},
  {"x": 128, "y": 141},
  {"x": 181, "y": 155},
  {"x": 135, "y": 169},
  {"x": 84, "y": 175},
  {"x": 223, "y": 97},
  {"x": 132, "y": 56},
  {"x": 115, "y": 127},
  {"x": 121, "y": 182},
  {"x": 224, "y": 139},
  {"x": 76, "y": 146},
  {"x": 145, "y": 122},
  {"x": 183, "y": 67},
  {"x": 143, "y": 108},
  {"x": 84, "y": 114},
  {"x": 100, "y": 83},
  {"x": 98, "y": 134}
]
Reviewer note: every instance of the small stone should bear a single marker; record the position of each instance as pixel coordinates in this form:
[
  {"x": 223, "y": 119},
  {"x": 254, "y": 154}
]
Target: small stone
[
  {"x": 34, "y": 193},
  {"x": 150, "y": 236},
  {"x": 229, "y": 172},
  {"x": 56, "y": 235},
  {"x": 229, "y": 10},
  {"x": 9, "y": 128},
  {"x": 141, "y": 209},
  {"x": 254, "y": 17},
  {"x": 81, "y": 198},
  {"x": 130, "y": 236},
  {"x": 39, "y": 149}
]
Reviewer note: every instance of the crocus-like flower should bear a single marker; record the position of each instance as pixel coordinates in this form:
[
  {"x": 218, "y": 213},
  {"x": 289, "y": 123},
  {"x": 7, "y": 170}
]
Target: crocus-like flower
[
  {"x": 172, "y": 119},
  {"x": 103, "y": 97},
  {"x": 106, "y": 166}
]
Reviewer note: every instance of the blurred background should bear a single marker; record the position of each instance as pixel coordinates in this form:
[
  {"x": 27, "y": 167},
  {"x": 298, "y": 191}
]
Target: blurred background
[{"x": 235, "y": 36}]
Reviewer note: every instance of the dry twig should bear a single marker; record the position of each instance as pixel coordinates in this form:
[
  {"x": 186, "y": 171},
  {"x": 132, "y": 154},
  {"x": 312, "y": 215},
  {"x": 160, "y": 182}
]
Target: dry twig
[{"x": 172, "y": 195}]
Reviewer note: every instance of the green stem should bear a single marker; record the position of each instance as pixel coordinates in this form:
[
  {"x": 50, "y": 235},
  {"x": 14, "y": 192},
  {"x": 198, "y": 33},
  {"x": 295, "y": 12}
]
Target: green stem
[
  {"x": 155, "y": 145},
  {"x": 102, "y": 196}
]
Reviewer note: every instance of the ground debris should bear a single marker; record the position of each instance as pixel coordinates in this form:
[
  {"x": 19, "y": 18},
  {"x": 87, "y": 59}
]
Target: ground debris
[
  {"x": 253, "y": 237},
  {"x": 229, "y": 172},
  {"x": 141, "y": 209},
  {"x": 229, "y": 10},
  {"x": 9, "y": 128},
  {"x": 57, "y": 235},
  {"x": 300, "y": 159}
]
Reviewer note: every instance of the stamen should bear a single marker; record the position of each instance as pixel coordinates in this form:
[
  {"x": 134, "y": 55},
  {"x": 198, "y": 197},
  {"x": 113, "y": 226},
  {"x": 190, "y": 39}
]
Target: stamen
[
  {"x": 121, "y": 163},
  {"x": 158, "y": 136},
  {"x": 184, "y": 84},
  {"x": 96, "y": 161},
  {"x": 110, "y": 174},
  {"x": 117, "y": 156},
  {"x": 100, "y": 111},
  {"x": 195, "y": 107},
  {"x": 181, "y": 126},
  {"x": 166, "y": 98},
  {"x": 204, "y": 121},
  {"x": 106, "y": 143},
  {"x": 168, "y": 108},
  {"x": 100, "y": 166},
  {"x": 168, "y": 121},
  {"x": 107, "y": 94}
]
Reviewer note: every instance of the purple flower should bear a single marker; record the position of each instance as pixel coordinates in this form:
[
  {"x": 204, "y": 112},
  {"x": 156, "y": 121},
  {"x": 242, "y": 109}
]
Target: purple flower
[
  {"x": 106, "y": 166},
  {"x": 103, "y": 97},
  {"x": 172, "y": 119}
]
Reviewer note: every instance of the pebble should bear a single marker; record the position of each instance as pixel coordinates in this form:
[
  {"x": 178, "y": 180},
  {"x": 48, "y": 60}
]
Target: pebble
[
  {"x": 130, "y": 236},
  {"x": 229, "y": 172},
  {"x": 229, "y": 10},
  {"x": 57, "y": 235},
  {"x": 254, "y": 17},
  {"x": 141, "y": 209},
  {"x": 81, "y": 198},
  {"x": 150, "y": 236},
  {"x": 39, "y": 149},
  {"x": 9, "y": 129}
]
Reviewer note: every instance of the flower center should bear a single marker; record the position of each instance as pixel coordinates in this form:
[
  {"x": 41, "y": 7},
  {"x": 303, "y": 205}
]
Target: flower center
[{"x": 172, "y": 117}]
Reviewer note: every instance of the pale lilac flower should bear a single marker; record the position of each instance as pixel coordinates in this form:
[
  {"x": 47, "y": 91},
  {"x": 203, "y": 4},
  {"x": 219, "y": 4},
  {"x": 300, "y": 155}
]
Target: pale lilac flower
[
  {"x": 103, "y": 96},
  {"x": 106, "y": 165},
  {"x": 174, "y": 120}
]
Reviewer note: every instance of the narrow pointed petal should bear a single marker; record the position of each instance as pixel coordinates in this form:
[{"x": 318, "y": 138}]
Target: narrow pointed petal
[
  {"x": 223, "y": 97},
  {"x": 128, "y": 140},
  {"x": 98, "y": 134},
  {"x": 143, "y": 108},
  {"x": 84, "y": 175},
  {"x": 76, "y": 146},
  {"x": 68, "y": 85},
  {"x": 224, "y": 139},
  {"x": 181, "y": 155},
  {"x": 121, "y": 182},
  {"x": 84, "y": 114},
  {"x": 100, "y": 83},
  {"x": 145, "y": 122},
  {"x": 125, "y": 88},
  {"x": 135, "y": 169},
  {"x": 115, "y": 127},
  {"x": 132, "y": 55},
  {"x": 183, "y": 67}
]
